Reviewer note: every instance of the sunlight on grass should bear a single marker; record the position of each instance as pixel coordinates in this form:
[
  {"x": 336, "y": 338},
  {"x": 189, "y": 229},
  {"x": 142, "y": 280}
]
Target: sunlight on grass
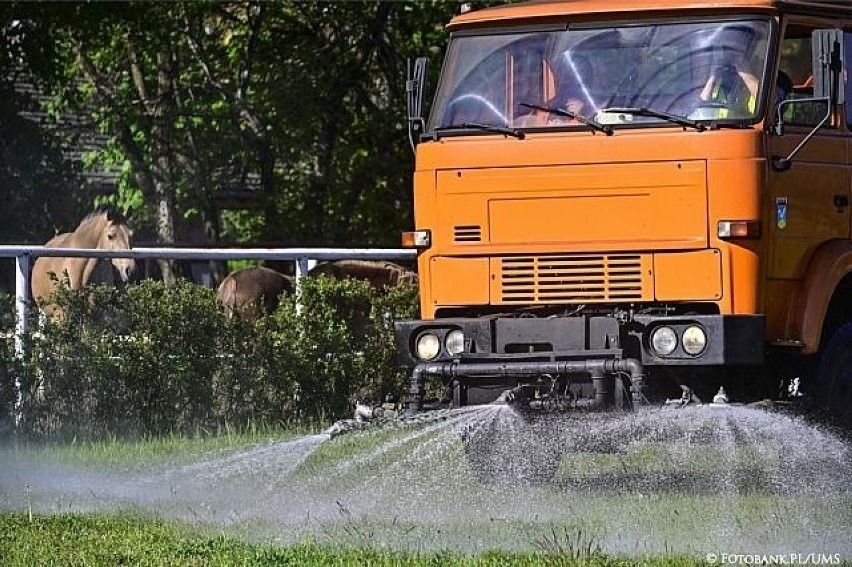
[
  {"x": 126, "y": 539},
  {"x": 174, "y": 448}
]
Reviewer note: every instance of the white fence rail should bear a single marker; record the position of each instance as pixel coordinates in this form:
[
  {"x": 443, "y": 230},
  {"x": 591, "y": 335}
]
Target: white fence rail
[{"x": 25, "y": 256}]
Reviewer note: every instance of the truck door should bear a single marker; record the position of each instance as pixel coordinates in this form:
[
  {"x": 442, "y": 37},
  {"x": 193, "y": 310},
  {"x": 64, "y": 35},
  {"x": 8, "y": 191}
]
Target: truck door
[{"x": 809, "y": 203}]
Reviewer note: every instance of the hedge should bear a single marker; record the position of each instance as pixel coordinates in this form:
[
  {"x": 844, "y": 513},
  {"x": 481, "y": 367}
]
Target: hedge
[{"x": 151, "y": 359}]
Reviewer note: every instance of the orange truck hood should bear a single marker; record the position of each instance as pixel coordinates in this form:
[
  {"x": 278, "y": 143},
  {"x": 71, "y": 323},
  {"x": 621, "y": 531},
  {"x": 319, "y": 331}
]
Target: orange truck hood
[{"x": 572, "y": 208}]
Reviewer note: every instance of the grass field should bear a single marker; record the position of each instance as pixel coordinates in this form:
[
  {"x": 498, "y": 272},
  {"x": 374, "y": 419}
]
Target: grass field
[
  {"x": 126, "y": 540},
  {"x": 657, "y": 496},
  {"x": 407, "y": 496},
  {"x": 121, "y": 452}
]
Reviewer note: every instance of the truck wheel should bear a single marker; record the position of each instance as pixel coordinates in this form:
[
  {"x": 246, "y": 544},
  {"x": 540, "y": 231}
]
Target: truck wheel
[
  {"x": 834, "y": 377},
  {"x": 511, "y": 457}
]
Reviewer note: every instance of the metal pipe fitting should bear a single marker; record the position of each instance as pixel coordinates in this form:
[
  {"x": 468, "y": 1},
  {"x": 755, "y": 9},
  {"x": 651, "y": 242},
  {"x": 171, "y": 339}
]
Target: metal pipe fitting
[{"x": 596, "y": 367}]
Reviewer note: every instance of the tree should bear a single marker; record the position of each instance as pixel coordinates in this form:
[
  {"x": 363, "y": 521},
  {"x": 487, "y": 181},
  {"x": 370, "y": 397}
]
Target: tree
[
  {"x": 300, "y": 104},
  {"x": 41, "y": 190}
]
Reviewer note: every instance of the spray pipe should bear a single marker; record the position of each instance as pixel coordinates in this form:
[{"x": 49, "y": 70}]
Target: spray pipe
[{"x": 596, "y": 367}]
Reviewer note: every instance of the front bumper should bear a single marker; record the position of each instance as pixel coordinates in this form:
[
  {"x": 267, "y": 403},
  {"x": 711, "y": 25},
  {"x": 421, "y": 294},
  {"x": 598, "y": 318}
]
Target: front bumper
[{"x": 731, "y": 340}]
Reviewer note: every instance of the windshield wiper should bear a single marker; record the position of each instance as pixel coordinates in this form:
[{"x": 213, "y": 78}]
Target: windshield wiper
[
  {"x": 594, "y": 125},
  {"x": 673, "y": 118},
  {"x": 506, "y": 131}
]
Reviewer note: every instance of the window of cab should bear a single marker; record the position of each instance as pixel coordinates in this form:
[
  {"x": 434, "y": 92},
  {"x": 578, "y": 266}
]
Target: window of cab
[
  {"x": 710, "y": 70},
  {"x": 795, "y": 78}
]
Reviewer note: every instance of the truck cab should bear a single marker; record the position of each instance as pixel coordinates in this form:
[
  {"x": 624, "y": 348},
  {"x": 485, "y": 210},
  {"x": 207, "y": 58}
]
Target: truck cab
[{"x": 619, "y": 201}]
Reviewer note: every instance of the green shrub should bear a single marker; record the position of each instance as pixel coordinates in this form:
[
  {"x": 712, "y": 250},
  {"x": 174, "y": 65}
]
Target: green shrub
[
  {"x": 314, "y": 363},
  {"x": 149, "y": 359},
  {"x": 136, "y": 359}
]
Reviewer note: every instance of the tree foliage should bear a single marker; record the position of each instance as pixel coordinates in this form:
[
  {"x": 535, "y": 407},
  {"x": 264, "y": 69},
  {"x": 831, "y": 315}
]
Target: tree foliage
[{"x": 300, "y": 105}]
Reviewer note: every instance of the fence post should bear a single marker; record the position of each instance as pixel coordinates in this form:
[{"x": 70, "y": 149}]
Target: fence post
[
  {"x": 302, "y": 268},
  {"x": 23, "y": 269}
]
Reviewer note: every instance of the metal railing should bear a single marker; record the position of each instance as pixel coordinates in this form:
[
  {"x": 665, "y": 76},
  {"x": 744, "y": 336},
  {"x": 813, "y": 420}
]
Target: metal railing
[{"x": 25, "y": 255}]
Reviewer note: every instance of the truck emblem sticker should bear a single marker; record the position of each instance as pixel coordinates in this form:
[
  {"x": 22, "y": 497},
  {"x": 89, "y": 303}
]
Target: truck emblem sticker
[{"x": 781, "y": 212}]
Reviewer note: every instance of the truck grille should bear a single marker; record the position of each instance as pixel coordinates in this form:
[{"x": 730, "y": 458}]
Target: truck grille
[{"x": 574, "y": 278}]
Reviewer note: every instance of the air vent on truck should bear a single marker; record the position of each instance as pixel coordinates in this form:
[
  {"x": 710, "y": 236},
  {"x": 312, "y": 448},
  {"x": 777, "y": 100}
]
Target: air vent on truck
[
  {"x": 573, "y": 278},
  {"x": 467, "y": 233}
]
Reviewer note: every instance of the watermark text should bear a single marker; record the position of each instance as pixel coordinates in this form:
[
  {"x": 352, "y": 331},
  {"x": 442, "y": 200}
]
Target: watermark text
[{"x": 773, "y": 558}]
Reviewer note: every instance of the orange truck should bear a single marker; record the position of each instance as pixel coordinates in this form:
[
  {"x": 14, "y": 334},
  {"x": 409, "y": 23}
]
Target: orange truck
[{"x": 620, "y": 200}]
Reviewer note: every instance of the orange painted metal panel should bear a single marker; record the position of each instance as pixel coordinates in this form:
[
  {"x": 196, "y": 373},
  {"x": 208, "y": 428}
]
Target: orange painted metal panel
[
  {"x": 808, "y": 191},
  {"x": 457, "y": 179},
  {"x": 583, "y": 207},
  {"x": 462, "y": 217},
  {"x": 688, "y": 276},
  {"x": 778, "y": 306},
  {"x": 459, "y": 281},
  {"x": 741, "y": 278},
  {"x": 555, "y": 9},
  {"x": 736, "y": 192}
]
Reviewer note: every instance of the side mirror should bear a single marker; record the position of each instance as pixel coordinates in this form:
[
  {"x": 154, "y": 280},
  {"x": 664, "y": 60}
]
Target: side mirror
[
  {"x": 827, "y": 65},
  {"x": 784, "y": 163},
  {"x": 415, "y": 89}
]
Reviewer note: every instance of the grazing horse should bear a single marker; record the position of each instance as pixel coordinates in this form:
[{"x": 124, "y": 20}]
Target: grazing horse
[
  {"x": 103, "y": 230},
  {"x": 379, "y": 273},
  {"x": 251, "y": 292}
]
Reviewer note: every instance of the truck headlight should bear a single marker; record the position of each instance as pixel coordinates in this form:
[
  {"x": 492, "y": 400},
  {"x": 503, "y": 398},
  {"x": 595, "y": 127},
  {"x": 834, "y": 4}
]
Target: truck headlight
[
  {"x": 694, "y": 340},
  {"x": 428, "y": 346},
  {"x": 664, "y": 340},
  {"x": 455, "y": 342}
]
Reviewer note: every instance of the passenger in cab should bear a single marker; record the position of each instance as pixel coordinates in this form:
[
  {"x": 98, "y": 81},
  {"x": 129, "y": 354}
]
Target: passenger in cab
[
  {"x": 783, "y": 87},
  {"x": 732, "y": 83}
]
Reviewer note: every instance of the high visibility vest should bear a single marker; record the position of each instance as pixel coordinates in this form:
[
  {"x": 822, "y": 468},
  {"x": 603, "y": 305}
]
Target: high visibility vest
[{"x": 719, "y": 95}]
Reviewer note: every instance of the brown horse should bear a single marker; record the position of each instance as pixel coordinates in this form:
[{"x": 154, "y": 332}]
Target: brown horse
[
  {"x": 381, "y": 274},
  {"x": 102, "y": 230},
  {"x": 250, "y": 292}
]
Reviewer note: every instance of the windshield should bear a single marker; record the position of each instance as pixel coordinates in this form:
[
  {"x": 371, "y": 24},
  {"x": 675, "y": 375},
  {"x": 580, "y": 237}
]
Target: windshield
[{"x": 709, "y": 70}]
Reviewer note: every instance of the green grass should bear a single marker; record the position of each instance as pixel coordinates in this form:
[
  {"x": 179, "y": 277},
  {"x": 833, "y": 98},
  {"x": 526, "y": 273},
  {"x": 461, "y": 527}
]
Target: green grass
[
  {"x": 115, "y": 451},
  {"x": 127, "y": 540},
  {"x": 576, "y": 523}
]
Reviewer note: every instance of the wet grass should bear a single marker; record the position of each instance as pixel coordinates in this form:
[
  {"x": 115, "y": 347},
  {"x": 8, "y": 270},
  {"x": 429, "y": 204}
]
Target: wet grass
[
  {"x": 375, "y": 449},
  {"x": 345, "y": 447},
  {"x": 688, "y": 497},
  {"x": 128, "y": 540},
  {"x": 659, "y": 458},
  {"x": 693, "y": 469},
  {"x": 407, "y": 492},
  {"x": 121, "y": 452},
  {"x": 658, "y": 468}
]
